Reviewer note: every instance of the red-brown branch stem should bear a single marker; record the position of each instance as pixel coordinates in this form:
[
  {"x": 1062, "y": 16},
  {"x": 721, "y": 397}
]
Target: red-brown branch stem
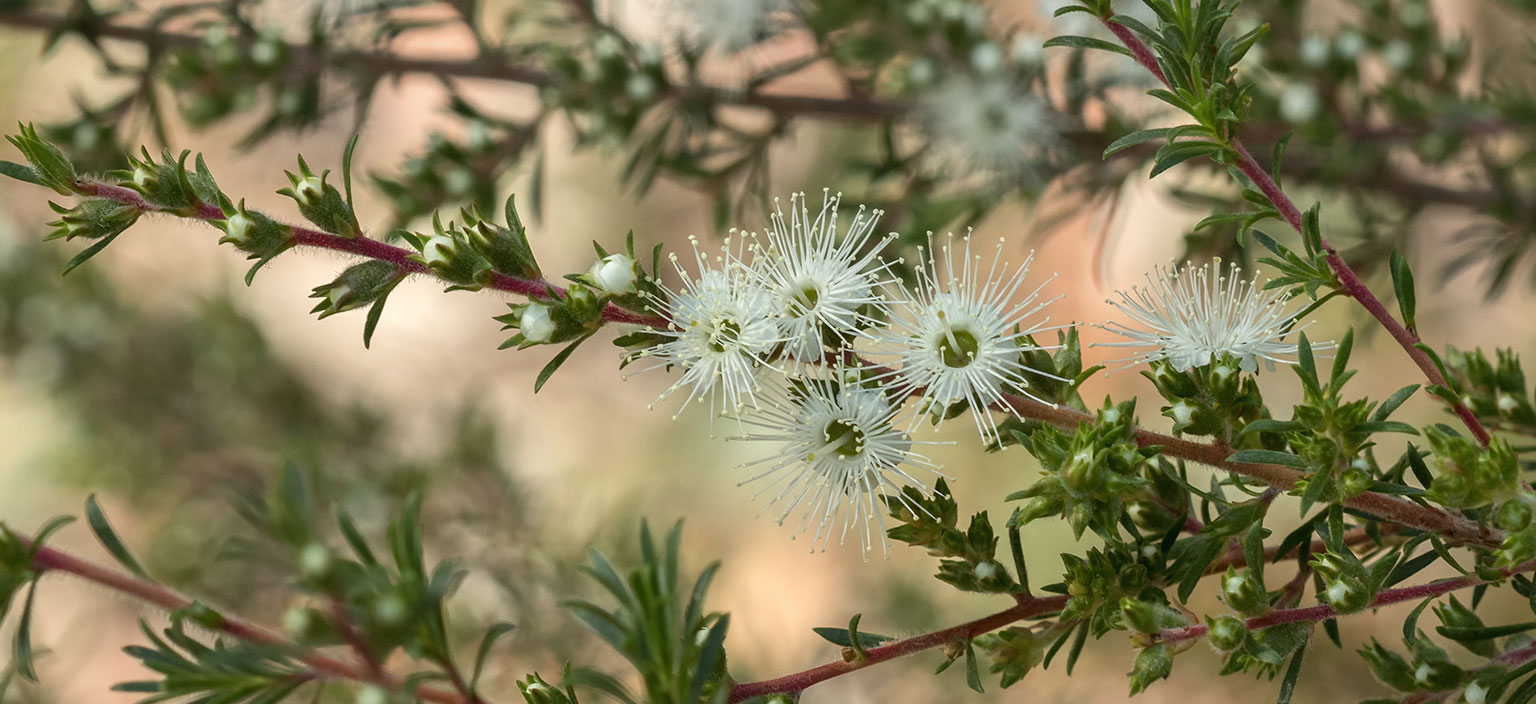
[
  {"x": 1028, "y": 607},
  {"x": 48, "y": 559},
  {"x": 1322, "y": 612},
  {"x": 1349, "y": 281},
  {"x": 374, "y": 249}
]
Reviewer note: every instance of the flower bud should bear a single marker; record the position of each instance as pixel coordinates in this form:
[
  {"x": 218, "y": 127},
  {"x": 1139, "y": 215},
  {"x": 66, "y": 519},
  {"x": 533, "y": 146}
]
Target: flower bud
[
  {"x": 582, "y": 304},
  {"x": 1513, "y": 515},
  {"x": 1152, "y": 664},
  {"x": 372, "y": 694},
  {"x": 536, "y": 691},
  {"x": 1389, "y": 667},
  {"x": 1242, "y": 591},
  {"x": 1148, "y": 617},
  {"x": 1346, "y": 595},
  {"x": 535, "y": 323},
  {"x": 254, "y": 233},
  {"x": 1227, "y": 632},
  {"x": 358, "y": 286},
  {"x": 320, "y": 202},
  {"x": 613, "y": 275},
  {"x": 315, "y": 561}
]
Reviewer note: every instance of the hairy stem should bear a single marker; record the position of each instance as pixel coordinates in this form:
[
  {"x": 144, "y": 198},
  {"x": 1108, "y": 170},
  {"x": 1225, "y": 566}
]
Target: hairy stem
[
  {"x": 374, "y": 249},
  {"x": 1028, "y": 607},
  {"x": 1349, "y": 281},
  {"x": 48, "y": 559},
  {"x": 1322, "y": 612}
]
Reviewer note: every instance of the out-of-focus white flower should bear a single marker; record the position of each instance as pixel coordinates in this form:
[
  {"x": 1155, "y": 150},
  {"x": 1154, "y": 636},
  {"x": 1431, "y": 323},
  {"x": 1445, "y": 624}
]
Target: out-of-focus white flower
[
  {"x": 1349, "y": 44},
  {"x": 828, "y": 290},
  {"x": 727, "y": 25},
  {"x": 839, "y": 453},
  {"x": 961, "y": 337},
  {"x": 1299, "y": 103},
  {"x": 1397, "y": 55},
  {"x": 1195, "y": 316},
  {"x": 1314, "y": 50},
  {"x": 986, "y": 124},
  {"x": 721, "y": 329}
]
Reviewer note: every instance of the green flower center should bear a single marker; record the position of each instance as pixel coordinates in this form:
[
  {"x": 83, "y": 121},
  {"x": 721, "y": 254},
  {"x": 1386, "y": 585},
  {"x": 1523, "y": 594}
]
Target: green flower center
[
  {"x": 804, "y": 300},
  {"x": 845, "y": 438},
  {"x": 726, "y": 331},
  {"x": 958, "y": 348}
]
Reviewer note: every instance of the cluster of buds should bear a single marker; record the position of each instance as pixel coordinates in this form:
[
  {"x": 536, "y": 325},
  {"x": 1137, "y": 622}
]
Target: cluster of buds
[
  {"x": 93, "y": 218},
  {"x": 1089, "y": 474},
  {"x": 1471, "y": 476},
  {"x": 1243, "y": 591},
  {"x": 321, "y": 203},
  {"x": 1494, "y": 390},
  {"x": 968, "y": 556},
  {"x": 168, "y": 184},
  {"x": 1348, "y": 585},
  {"x": 1097, "y": 582},
  {"x": 1213, "y": 400},
  {"x": 1430, "y": 670}
]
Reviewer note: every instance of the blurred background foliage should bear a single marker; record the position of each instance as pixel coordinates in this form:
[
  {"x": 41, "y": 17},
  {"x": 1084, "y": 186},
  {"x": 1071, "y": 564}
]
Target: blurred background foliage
[{"x": 154, "y": 379}]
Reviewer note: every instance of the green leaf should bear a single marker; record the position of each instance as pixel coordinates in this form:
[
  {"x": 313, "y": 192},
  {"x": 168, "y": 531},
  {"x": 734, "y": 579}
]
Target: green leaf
[
  {"x": 710, "y": 653},
  {"x": 488, "y": 640},
  {"x": 346, "y": 170},
  {"x": 109, "y": 539},
  {"x": 554, "y": 364},
  {"x": 1402, "y": 283},
  {"x": 354, "y": 537},
  {"x": 1268, "y": 457},
  {"x": 21, "y": 649},
  {"x": 89, "y": 252},
  {"x": 1135, "y": 138},
  {"x": 972, "y": 673},
  {"x": 839, "y": 636},
  {"x": 1463, "y": 633},
  {"x": 1076, "y": 42},
  {"x": 1393, "y": 402},
  {"x": 20, "y": 172},
  {"x": 1292, "y": 673}
]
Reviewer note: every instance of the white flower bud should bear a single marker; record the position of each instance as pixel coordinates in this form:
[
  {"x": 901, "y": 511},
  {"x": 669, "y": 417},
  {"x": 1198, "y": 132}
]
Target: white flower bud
[
  {"x": 237, "y": 228},
  {"x": 1475, "y": 693},
  {"x": 145, "y": 178},
  {"x": 536, "y": 324},
  {"x": 315, "y": 559},
  {"x": 1183, "y": 412},
  {"x": 310, "y": 190},
  {"x": 1507, "y": 403},
  {"x": 614, "y": 274},
  {"x": 335, "y": 294},
  {"x": 1028, "y": 49},
  {"x": 439, "y": 251},
  {"x": 1397, "y": 55}
]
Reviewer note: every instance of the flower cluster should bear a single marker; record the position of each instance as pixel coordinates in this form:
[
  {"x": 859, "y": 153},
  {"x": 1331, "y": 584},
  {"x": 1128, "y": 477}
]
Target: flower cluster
[{"x": 810, "y": 340}]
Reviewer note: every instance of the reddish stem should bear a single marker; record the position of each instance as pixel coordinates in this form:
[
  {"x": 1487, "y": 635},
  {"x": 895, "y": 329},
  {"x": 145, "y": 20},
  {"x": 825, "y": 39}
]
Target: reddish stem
[
  {"x": 47, "y": 559},
  {"x": 1349, "y": 281},
  {"x": 1323, "y": 612},
  {"x": 1026, "y": 608},
  {"x": 373, "y": 249}
]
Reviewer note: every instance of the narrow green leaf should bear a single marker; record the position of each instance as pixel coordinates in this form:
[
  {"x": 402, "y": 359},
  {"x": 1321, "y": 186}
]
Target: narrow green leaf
[
  {"x": 710, "y": 653},
  {"x": 1076, "y": 42},
  {"x": 346, "y": 168},
  {"x": 89, "y": 252},
  {"x": 1292, "y": 673},
  {"x": 1135, "y": 138},
  {"x": 972, "y": 672},
  {"x": 353, "y": 536},
  {"x": 1464, "y": 633},
  {"x": 21, "y": 648},
  {"x": 839, "y": 636},
  {"x": 1402, "y": 284},
  {"x": 488, "y": 640},
  {"x": 20, "y": 172},
  {"x": 554, "y": 364},
  {"x": 109, "y": 539},
  {"x": 1394, "y": 401}
]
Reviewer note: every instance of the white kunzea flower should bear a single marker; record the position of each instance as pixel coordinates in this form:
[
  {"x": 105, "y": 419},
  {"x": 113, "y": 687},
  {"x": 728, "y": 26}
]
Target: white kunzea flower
[
  {"x": 961, "y": 337},
  {"x": 986, "y": 124},
  {"x": 839, "y": 452},
  {"x": 826, "y": 288},
  {"x": 614, "y": 274},
  {"x": 535, "y": 323},
  {"x": 721, "y": 328},
  {"x": 1195, "y": 316}
]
